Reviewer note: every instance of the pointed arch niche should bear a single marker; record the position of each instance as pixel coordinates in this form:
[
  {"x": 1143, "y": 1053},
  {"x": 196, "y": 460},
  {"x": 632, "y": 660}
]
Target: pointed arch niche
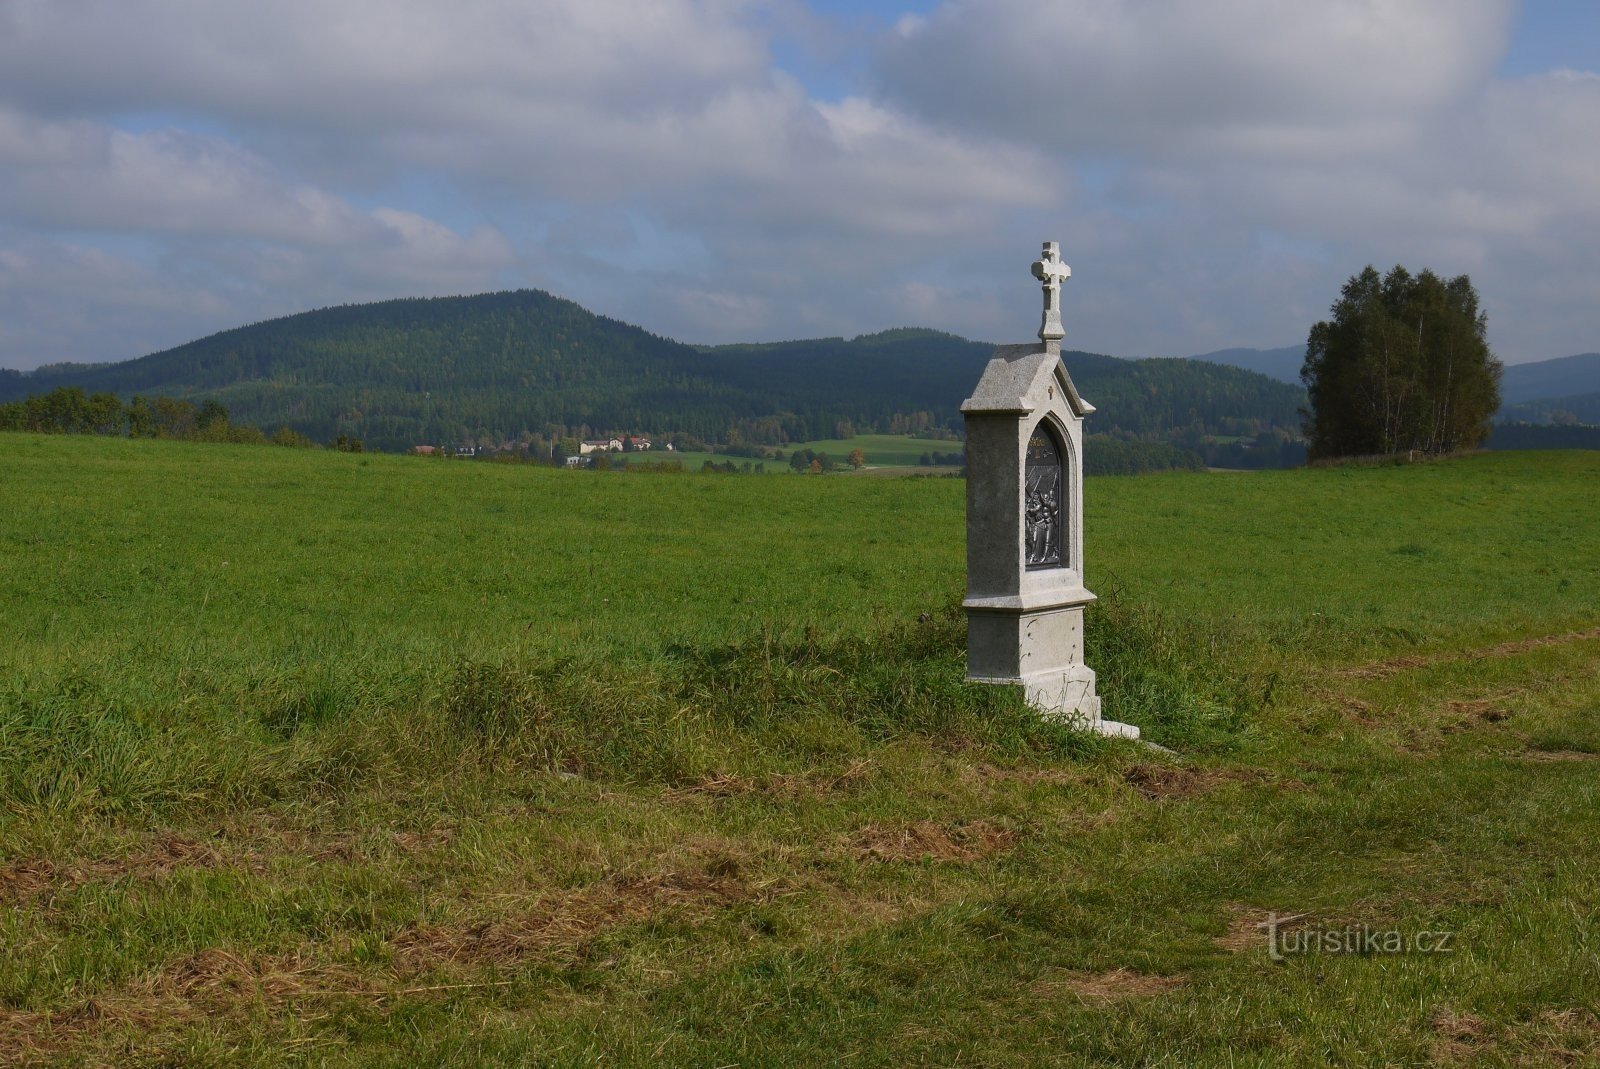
[{"x": 1046, "y": 541}]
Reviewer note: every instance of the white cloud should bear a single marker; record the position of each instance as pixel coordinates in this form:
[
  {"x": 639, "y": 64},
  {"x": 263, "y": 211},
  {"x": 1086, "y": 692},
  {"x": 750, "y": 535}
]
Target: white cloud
[
  {"x": 93, "y": 177},
  {"x": 1241, "y": 158},
  {"x": 1499, "y": 186},
  {"x": 1175, "y": 78},
  {"x": 218, "y": 237},
  {"x": 1215, "y": 170},
  {"x": 669, "y": 111},
  {"x": 370, "y": 63},
  {"x": 62, "y": 301}
]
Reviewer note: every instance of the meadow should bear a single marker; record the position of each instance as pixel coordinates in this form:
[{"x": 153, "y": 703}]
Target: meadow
[
  {"x": 881, "y": 451},
  {"x": 349, "y": 760}
]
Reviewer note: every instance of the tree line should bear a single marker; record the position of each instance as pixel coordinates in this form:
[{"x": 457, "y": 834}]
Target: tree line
[
  {"x": 68, "y": 410},
  {"x": 1544, "y": 436},
  {"x": 1107, "y": 455}
]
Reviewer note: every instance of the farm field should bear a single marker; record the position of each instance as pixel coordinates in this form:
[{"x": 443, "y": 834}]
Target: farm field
[
  {"x": 882, "y": 450},
  {"x": 327, "y": 759}
]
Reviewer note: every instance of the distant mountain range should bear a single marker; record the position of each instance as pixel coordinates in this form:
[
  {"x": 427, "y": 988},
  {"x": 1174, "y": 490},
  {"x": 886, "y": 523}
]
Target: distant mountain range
[
  {"x": 1578, "y": 408},
  {"x": 1563, "y": 377},
  {"x": 1281, "y": 364},
  {"x": 1538, "y": 392},
  {"x": 503, "y": 366}
]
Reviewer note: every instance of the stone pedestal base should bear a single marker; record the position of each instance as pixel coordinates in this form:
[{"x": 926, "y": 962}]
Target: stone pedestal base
[
  {"x": 1069, "y": 695},
  {"x": 1066, "y": 694},
  {"x": 1039, "y": 647}
]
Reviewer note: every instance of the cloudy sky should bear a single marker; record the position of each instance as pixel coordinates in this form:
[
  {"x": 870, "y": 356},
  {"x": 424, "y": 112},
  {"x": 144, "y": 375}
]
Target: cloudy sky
[{"x": 721, "y": 170}]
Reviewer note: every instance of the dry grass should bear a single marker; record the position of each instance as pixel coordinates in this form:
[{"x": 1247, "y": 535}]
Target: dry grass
[
  {"x": 1395, "y": 665},
  {"x": 1247, "y": 928},
  {"x": 1555, "y": 1037},
  {"x": 1569, "y": 1036},
  {"x": 778, "y": 785},
  {"x": 928, "y": 840},
  {"x": 219, "y": 982},
  {"x": 559, "y": 924},
  {"x": 28, "y": 1038},
  {"x": 1158, "y": 782},
  {"x": 1106, "y": 987},
  {"x": 30, "y": 878},
  {"x": 1457, "y": 1036},
  {"x": 1489, "y": 710}
]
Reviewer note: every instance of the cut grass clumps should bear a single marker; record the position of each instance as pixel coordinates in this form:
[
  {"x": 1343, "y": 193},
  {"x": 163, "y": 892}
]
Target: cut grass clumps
[
  {"x": 776, "y": 703},
  {"x": 832, "y": 698},
  {"x": 1184, "y": 685},
  {"x": 68, "y": 750},
  {"x": 780, "y": 700}
]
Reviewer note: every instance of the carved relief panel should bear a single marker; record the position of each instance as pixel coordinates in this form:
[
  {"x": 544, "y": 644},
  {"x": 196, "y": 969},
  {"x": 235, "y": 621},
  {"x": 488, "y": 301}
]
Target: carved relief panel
[{"x": 1044, "y": 500}]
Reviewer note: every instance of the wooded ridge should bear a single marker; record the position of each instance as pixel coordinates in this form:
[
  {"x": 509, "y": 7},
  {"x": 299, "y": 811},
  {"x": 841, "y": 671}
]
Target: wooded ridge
[{"x": 507, "y": 366}]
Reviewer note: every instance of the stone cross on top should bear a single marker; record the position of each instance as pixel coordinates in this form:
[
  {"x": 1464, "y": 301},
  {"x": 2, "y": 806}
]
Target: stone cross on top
[{"x": 1049, "y": 270}]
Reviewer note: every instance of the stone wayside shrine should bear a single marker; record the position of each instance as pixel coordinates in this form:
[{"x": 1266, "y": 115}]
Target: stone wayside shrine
[{"x": 1025, "y": 592}]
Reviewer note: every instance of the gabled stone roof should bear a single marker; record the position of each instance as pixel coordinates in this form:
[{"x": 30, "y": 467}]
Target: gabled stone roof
[{"x": 1017, "y": 379}]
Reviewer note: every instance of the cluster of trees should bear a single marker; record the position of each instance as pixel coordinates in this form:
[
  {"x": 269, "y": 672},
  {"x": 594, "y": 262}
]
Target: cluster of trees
[
  {"x": 1239, "y": 446},
  {"x": 956, "y": 459},
  {"x": 1270, "y": 449},
  {"x": 68, "y": 410},
  {"x": 1156, "y": 400},
  {"x": 1563, "y": 411},
  {"x": 1544, "y": 436},
  {"x": 812, "y": 461},
  {"x": 1104, "y": 454},
  {"x": 1403, "y": 365}
]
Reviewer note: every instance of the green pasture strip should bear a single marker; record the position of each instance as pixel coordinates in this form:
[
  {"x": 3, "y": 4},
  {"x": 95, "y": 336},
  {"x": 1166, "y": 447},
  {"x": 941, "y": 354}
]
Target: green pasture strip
[
  {"x": 152, "y": 549},
  {"x": 1341, "y": 560},
  {"x": 315, "y": 759},
  {"x": 880, "y": 449},
  {"x": 690, "y": 461}
]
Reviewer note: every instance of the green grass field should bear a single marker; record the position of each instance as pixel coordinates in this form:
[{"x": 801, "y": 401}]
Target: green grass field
[
  {"x": 347, "y": 760},
  {"x": 881, "y": 450}
]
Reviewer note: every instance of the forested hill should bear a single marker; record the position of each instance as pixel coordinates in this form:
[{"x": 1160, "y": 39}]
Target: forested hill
[
  {"x": 501, "y": 366},
  {"x": 402, "y": 372},
  {"x": 926, "y": 370}
]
